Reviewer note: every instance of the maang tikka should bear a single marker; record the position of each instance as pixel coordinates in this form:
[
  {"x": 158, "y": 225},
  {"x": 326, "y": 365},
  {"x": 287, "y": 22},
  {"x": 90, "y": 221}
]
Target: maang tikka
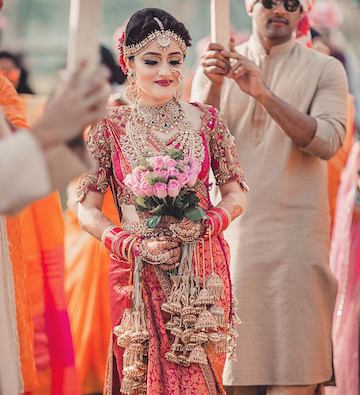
[{"x": 133, "y": 92}]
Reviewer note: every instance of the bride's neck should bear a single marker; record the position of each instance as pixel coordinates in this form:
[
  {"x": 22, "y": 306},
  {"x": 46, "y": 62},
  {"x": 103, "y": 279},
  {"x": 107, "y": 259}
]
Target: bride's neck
[{"x": 153, "y": 103}]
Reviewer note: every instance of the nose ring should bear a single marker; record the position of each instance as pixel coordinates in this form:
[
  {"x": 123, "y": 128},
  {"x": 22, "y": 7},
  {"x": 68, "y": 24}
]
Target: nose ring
[{"x": 180, "y": 77}]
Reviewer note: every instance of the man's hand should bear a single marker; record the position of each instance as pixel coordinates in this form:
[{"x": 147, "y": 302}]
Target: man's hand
[
  {"x": 215, "y": 64},
  {"x": 81, "y": 101},
  {"x": 246, "y": 73}
]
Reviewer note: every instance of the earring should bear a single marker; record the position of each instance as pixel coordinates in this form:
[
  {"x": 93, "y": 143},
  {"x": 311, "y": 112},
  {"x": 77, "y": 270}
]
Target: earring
[
  {"x": 179, "y": 82},
  {"x": 133, "y": 92}
]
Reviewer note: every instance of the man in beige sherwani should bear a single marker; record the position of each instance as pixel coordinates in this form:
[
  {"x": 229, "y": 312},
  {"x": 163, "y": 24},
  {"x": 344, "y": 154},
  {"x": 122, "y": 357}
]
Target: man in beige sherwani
[{"x": 287, "y": 107}]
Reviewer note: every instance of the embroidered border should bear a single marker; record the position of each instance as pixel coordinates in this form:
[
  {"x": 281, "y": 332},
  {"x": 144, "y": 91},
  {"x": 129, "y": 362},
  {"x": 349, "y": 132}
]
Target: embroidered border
[
  {"x": 164, "y": 281},
  {"x": 209, "y": 379}
]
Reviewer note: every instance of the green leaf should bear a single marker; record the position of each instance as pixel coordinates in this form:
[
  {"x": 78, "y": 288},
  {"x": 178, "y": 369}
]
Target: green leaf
[
  {"x": 176, "y": 212},
  {"x": 141, "y": 209},
  {"x": 140, "y": 201},
  {"x": 159, "y": 210},
  {"x": 153, "y": 220},
  {"x": 194, "y": 214}
]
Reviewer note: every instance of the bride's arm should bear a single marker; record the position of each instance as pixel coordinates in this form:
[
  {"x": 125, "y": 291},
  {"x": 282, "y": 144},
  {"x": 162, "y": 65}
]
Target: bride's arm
[
  {"x": 90, "y": 216},
  {"x": 233, "y": 199}
]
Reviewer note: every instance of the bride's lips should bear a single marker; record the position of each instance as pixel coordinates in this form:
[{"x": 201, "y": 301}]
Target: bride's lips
[{"x": 163, "y": 82}]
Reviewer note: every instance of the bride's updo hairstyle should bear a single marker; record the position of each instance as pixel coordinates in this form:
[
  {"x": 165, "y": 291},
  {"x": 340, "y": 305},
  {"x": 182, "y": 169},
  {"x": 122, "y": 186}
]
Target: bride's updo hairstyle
[{"x": 142, "y": 23}]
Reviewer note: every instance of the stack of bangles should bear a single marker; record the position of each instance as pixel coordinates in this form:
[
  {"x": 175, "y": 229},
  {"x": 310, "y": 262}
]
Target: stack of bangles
[
  {"x": 219, "y": 218},
  {"x": 120, "y": 243},
  {"x": 357, "y": 199}
]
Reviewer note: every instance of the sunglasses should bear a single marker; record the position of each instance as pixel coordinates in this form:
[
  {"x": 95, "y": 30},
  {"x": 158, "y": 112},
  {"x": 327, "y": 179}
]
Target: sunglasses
[{"x": 289, "y": 5}]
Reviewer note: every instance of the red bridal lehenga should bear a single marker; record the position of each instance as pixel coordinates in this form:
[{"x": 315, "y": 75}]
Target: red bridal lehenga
[{"x": 172, "y": 329}]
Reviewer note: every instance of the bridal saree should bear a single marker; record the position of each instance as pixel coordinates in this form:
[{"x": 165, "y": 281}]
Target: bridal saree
[{"x": 116, "y": 149}]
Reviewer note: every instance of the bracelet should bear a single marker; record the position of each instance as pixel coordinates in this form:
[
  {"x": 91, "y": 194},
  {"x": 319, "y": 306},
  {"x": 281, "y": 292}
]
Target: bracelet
[
  {"x": 220, "y": 219},
  {"x": 105, "y": 233},
  {"x": 118, "y": 241}
]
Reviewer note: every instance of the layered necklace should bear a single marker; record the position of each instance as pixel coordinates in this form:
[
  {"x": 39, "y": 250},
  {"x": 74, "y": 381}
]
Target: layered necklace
[{"x": 162, "y": 118}]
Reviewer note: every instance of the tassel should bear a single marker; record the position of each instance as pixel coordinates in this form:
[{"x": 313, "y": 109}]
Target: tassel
[
  {"x": 198, "y": 355},
  {"x": 206, "y": 322}
]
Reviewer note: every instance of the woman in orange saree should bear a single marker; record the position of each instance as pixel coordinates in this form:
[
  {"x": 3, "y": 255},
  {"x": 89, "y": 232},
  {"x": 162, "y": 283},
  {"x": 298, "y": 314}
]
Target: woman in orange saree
[
  {"x": 13, "y": 110},
  {"x": 36, "y": 244},
  {"x": 87, "y": 289},
  {"x": 170, "y": 294}
]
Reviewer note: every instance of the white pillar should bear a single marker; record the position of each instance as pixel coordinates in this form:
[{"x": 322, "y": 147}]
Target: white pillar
[
  {"x": 220, "y": 22},
  {"x": 85, "y": 18}
]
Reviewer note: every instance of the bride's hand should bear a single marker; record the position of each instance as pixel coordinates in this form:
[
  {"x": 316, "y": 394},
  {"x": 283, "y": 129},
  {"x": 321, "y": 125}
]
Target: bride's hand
[
  {"x": 161, "y": 250},
  {"x": 188, "y": 231}
]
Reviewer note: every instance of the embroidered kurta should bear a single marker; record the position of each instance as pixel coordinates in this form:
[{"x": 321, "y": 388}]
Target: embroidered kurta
[
  {"x": 117, "y": 149},
  {"x": 279, "y": 247}
]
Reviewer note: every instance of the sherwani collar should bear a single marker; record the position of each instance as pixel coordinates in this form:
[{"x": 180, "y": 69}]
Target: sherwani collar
[{"x": 280, "y": 49}]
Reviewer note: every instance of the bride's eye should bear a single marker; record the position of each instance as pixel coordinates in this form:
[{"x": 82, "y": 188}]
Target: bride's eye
[
  {"x": 151, "y": 62},
  {"x": 174, "y": 62}
]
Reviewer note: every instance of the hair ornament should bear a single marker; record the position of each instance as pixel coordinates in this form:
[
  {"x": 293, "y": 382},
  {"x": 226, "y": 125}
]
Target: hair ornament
[
  {"x": 163, "y": 38},
  {"x": 121, "y": 54}
]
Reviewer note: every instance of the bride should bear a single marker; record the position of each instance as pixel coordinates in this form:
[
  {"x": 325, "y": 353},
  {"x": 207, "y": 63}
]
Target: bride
[{"x": 172, "y": 311}]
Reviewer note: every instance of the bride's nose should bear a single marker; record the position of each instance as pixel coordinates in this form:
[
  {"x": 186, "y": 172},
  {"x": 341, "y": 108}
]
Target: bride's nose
[{"x": 166, "y": 71}]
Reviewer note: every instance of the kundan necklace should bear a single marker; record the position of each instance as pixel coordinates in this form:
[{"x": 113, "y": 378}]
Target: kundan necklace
[{"x": 162, "y": 118}]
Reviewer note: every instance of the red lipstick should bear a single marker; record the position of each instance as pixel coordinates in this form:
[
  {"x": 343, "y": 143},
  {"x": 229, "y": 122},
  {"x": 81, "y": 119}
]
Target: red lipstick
[{"x": 163, "y": 82}]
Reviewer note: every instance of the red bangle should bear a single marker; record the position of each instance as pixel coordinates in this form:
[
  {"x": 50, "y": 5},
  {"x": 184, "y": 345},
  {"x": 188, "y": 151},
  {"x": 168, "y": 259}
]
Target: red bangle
[
  {"x": 109, "y": 237},
  {"x": 220, "y": 219},
  {"x": 225, "y": 216}
]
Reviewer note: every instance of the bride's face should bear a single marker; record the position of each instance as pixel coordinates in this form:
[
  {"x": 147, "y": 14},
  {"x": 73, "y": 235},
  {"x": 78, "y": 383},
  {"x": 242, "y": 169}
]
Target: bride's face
[{"x": 154, "y": 72}]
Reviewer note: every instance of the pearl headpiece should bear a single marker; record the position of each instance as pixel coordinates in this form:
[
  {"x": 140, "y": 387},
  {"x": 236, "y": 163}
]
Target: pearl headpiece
[{"x": 163, "y": 38}]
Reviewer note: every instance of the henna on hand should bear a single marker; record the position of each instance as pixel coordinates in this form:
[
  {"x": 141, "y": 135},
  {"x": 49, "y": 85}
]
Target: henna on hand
[
  {"x": 229, "y": 203},
  {"x": 97, "y": 227}
]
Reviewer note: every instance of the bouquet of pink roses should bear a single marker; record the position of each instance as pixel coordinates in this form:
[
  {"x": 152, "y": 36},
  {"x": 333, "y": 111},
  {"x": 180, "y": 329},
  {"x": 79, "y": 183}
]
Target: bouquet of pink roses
[{"x": 163, "y": 186}]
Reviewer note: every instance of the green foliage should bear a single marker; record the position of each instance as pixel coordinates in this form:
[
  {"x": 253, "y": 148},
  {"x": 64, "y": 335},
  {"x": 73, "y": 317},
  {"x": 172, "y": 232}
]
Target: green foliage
[{"x": 153, "y": 220}]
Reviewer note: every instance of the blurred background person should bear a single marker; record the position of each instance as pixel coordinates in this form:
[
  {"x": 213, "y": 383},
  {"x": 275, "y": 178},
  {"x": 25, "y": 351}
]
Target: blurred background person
[
  {"x": 11, "y": 67},
  {"x": 327, "y": 17},
  {"x": 345, "y": 263}
]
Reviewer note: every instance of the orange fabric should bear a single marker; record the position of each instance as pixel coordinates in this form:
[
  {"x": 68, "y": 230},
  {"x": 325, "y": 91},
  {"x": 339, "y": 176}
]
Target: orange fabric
[
  {"x": 11, "y": 103},
  {"x": 337, "y": 163},
  {"x": 43, "y": 225},
  {"x": 13, "y": 110},
  {"x": 87, "y": 288}
]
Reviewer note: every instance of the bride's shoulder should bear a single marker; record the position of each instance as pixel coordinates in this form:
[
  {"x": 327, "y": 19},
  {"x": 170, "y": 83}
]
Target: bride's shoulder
[
  {"x": 208, "y": 113},
  {"x": 118, "y": 113}
]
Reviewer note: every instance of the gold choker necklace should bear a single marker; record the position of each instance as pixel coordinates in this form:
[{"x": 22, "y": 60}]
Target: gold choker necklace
[{"x": 162, "y": 118}]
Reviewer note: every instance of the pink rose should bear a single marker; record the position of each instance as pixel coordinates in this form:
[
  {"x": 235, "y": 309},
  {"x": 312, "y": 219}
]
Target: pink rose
[
  {"x": 138, "y": 191},
  {"x": 130, "y": 181},
  {"x": 160, "y": 190},
  {"x": 193, "y": 177},
  {"x": 147, "y": 188},
  {"x": 182, "y": 178},
  {"x": 138, "y": 171},
  {"x": 144, "y": 175},
  {"x": 162, "y": 173},
  {"x": 173, "y": 172},
  {"x": 190, "y": 161},
  {"x": 156, "y": 161},
  {"x": 169, "y": 163},
  {"x": 173, "y": 188}
]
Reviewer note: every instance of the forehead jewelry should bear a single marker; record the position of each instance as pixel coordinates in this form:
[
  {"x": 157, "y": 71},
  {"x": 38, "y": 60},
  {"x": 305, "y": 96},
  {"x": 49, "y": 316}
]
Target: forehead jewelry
[{"x": 163, "y": 39}]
